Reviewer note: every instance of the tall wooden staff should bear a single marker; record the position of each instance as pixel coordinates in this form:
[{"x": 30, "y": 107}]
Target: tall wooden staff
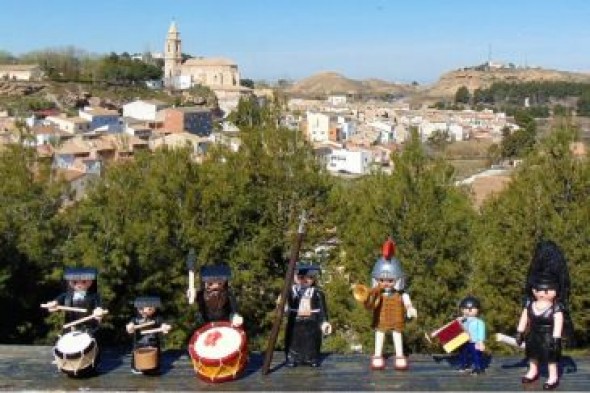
[{"x": 280, "y": 310}]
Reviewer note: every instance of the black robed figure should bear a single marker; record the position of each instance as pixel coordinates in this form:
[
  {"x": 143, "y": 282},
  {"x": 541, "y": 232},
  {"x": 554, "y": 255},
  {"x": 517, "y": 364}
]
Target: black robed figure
[
  {"x": 147, "y": 318},
  {"x": 81, "y": 293},
  {"x": 307, "y": 318}
]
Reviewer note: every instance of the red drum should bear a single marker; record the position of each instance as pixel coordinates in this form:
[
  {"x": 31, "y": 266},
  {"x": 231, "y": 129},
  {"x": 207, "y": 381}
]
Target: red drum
[
  {"x": 218, "y": 351},
  {"x": 451, "y": 336}
]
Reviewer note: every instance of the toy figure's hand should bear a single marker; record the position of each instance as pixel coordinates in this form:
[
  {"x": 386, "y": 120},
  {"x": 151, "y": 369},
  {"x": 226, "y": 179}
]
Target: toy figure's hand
[
  {"x": 555, "y": 345},
  {"x": 52, "y": 306},
  {"x": 519, "y": 338},
  {"x": 412, "y": 313},
  {"x": 165, "y": 328},
  {"x": 190, "y": 294},
  {"x": 236, "y": 320},
  {"x": 326, "y": 328},
  {"x": 98, "y": 313},
  {"x": 130, "y": 327},
  {"x": 480, "y": 346}
]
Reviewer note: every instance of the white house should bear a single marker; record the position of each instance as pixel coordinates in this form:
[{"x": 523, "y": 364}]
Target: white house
[
  {"x": 350, "y": 161},
  {"x": 146, "y": 110},
  {"x": 21, "y": 72},
  {"x": 318, "y": 126},
  {"x": 337, "y": 100},
  {"x": 72, "y": 125}
]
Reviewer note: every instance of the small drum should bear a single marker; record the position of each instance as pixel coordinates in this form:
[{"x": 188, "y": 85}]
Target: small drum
[
  {"x": 218, "y": 351},
  {"x": 75, "y": 352},
  {"x": 451, "y": 336},
  {"x": 146, "y": 358}
]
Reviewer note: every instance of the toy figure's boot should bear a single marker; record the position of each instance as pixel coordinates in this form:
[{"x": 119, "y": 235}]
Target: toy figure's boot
[
  {"x": 377, "y": 361},
  {"x": 400, "y": 361}
]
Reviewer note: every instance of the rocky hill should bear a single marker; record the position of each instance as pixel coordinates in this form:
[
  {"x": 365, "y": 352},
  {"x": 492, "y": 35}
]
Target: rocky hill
[
  {"x": 473, "y": 79},
  {"x": 326, "y": 83}
]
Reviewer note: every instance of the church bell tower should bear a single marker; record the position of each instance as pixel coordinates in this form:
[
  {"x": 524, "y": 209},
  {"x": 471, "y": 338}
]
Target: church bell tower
[{"x": 172, "y": 55}]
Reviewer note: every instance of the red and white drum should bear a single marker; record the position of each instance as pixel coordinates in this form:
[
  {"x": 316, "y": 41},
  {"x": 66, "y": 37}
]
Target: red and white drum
[
  {"x": 451, "y": 336},
  {"x": 75, "y": 352},
  {"x": 218, "y": 351}
]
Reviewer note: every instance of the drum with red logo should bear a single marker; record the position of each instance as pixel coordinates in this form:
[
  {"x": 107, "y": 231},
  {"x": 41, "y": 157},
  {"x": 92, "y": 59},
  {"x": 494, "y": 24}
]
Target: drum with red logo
[
  {"x": 218, "y": 351},
  {"x": 451, "y": 336}
]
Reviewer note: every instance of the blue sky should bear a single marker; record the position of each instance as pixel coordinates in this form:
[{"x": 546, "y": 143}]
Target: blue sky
[{"x": 293, "y": 39}]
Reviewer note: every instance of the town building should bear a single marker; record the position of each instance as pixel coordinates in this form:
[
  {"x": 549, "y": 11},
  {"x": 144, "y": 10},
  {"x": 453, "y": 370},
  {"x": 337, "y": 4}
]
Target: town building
[{"x": 21, "y": 72}]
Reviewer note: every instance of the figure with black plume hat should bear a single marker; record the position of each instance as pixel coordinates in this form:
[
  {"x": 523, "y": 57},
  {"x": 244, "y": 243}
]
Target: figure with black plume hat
[
  {"x": 146, "y": 327},
  {"x": 81, "y": 293},
  {"x": 307, "y": 318},
  {"x": 77, "y": 351},
  {"x": 544, "y": 317},
  {"x": 390, "y": 303},
  {"x": 215, "y": 299},
  {"x": 471, "y": 353}
]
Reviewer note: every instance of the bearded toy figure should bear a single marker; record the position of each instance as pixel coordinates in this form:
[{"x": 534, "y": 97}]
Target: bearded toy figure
[{"x": 215, "y": 299}]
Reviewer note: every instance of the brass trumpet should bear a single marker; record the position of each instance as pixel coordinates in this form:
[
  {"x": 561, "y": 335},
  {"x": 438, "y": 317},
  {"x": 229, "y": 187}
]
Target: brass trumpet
[{"x": 360, "y": 292}]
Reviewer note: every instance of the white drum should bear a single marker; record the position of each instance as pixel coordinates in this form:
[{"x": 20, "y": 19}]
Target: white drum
[{"x": 75, "y": 352}]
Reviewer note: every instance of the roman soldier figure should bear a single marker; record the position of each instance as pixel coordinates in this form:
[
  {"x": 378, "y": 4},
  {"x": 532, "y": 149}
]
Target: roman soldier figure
[
  {"x": 391, "y": 305},
  {"x": 307, "y": 318}
]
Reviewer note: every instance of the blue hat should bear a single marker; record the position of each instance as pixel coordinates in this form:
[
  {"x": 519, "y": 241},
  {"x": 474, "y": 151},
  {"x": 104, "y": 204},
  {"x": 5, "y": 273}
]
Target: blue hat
[
  {"x": 80, "y": 273},
  {"x": 215, "y": 273},
  {"x": 306, "y": 269},
  {"x": 147, "y": 301}
]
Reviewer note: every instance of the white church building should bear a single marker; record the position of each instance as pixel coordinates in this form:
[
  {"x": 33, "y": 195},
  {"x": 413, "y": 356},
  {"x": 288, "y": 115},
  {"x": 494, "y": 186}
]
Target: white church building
[{"x": 219, "y": 74}]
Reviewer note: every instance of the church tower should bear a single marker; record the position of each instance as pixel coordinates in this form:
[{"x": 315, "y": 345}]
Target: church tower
[{"x": 172, "y": 55}]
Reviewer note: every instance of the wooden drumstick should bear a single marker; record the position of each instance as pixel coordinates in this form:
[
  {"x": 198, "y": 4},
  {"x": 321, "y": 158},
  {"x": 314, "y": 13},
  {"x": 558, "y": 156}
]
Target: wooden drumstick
[
  {"x": 145, "y": 324},
  {"x": 81, "y": 320},
  {"x": 66, "y": 308},
  {"x": 149, "y": 331}
]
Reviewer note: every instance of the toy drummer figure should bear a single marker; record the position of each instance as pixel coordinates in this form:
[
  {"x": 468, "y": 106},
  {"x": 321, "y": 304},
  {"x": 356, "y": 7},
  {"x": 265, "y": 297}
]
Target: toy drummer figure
[
  {"x": 215, "y": 299},
  {"x": 390, "y": 303},
  {"x": 81, "y": 294},
  {"x": 146, "y": 327},
  {"x": 307, "y": 318},
  {"x": 471, "y": 353}
]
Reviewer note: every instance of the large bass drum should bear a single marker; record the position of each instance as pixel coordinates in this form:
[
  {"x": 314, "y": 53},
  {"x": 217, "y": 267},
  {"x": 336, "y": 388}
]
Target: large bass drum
[
  {"x": 75, "y": 353},
  {"x": 218, "y": 351}
]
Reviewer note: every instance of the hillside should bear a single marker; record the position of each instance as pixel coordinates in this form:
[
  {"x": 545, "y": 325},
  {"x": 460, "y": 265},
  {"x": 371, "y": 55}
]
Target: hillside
[
  {"x": 448, "y": 83},
  {"x": 326, "y": 83}
]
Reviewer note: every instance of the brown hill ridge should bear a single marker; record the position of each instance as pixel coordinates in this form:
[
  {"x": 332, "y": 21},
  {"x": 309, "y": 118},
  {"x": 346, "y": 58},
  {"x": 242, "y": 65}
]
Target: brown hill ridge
[
  {"x": 448, "y": 83},
  {"x": 326, "y": 83}
]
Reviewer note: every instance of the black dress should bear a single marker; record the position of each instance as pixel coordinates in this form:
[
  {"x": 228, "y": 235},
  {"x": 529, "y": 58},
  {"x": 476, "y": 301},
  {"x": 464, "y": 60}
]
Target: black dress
[
  {"x": 147, "y": 340},
  {"x": 303, "y": 336},
  {"x": 540, "y": 336}
]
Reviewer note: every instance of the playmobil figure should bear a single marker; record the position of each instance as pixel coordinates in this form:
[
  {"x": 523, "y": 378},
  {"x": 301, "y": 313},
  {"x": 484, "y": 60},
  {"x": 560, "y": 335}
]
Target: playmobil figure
[
  {"x": 215, "y": 299},
  {"x": 391, "y": 305},
  {"x": 471, "y": 353},
  {"x": 81, "y": 294},
  {"x": 77, "y": 353},
  {"x": 146, "y": 327},
  {"x": 544, "y": 319},
  {"x": 307, "y": 318}
]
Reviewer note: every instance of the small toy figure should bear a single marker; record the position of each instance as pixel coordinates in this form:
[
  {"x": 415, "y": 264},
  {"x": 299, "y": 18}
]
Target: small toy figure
[
  {"x": 543, "y": 318},
  {"x": 77, "y": 352},
  {"x": 81, "y": 293},
  {"x": 390, "y": 304},
  {"x": 215, "y": 299},
  {"x": 471, "y": 353},
  {"x": 307, "y": 318},
  {"x": 146, "y": 327}
]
